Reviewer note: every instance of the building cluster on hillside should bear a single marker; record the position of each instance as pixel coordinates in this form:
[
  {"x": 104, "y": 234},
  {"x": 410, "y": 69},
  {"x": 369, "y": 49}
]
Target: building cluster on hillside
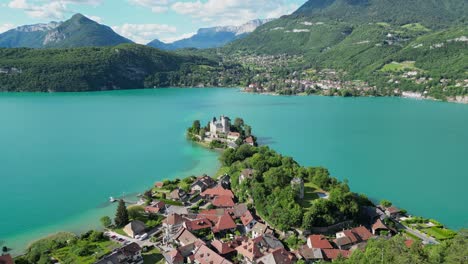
[{"x": 221, "y": 130}]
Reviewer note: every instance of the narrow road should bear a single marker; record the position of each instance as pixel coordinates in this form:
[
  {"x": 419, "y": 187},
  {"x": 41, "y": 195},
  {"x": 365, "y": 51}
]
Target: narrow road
[{"x": 425, "y": 238}]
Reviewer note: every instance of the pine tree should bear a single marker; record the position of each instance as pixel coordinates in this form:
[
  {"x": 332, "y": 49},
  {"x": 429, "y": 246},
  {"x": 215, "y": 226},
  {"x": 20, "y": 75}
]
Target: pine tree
[{"x": 121, "y": 216}]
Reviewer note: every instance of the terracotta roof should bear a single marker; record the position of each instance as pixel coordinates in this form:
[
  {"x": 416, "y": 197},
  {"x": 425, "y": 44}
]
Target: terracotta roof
[
  {"x": 159, "y": 184},
  {"x": 223, "y": 201},
  {"x": 198, "y": 224},
  {"x": 379, "y": 225},
  {"x": 6, "y": 259},
  {"x": 205, "y": 255},
  {"x": 246, "y": 218},
  {"x": 249, "y": 249},
  {"x": 393, "y": 210},
  {"x": 310, "y": 253},
  {"x": 318, "y": 241},
  {"x": 173, "y": 219},
  {"x": 185, "y": 237},
  {"x": 174, "y": 257},
  {"x": 212, "y": 214},
  {"x": 177, "y": 194},
  {"x": 332, "y": 254},
  {"x": 218, "y": 191},
  {"x": 224, "y": 248},
  {"x": 278, "y": 256},
  {"x": 225, "y": 222},
  {"x": 151, "y": 209},
  {"x": 409, "y": 243},
  {"x": 362, "y": 233}
]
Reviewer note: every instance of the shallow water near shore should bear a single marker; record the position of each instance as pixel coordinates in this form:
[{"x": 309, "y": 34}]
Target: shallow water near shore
[{"x": 63, "y": 155}]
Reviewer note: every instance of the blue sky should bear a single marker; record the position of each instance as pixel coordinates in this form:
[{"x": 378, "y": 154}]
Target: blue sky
[{"x": 145, "y": 20}]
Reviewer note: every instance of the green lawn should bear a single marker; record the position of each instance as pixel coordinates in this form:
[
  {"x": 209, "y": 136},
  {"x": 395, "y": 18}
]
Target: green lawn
[
  {"x": 398, "y": 66},
  {"x": 439, "y": 233},
  {"x": 310, "y": 194},
  {"x": 69, "y": 254},
  {"x": 152, "y": 257},
  {"x": 223, "y": 170},
  {"x": 120, "y": 231}
]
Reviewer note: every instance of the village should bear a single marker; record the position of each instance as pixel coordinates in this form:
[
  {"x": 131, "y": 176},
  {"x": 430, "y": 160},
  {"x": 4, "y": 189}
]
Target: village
[{"x": 200, "y": 220}]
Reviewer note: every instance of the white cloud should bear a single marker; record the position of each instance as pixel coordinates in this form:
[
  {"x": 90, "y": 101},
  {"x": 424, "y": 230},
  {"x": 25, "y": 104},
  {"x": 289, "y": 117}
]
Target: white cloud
[
  {"x": 51, "y": 9},
  {"x": 6, "y": 27},
  {"x": 229, "y": 12},
  {"x": 95, "y": 18},
  {"x": 144, "y": 33},
  {"x": 156, "y": 6}
]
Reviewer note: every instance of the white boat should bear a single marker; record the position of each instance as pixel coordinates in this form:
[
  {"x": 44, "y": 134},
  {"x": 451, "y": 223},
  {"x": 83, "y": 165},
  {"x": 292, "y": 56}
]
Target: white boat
[{"x": 112, "y": 200}]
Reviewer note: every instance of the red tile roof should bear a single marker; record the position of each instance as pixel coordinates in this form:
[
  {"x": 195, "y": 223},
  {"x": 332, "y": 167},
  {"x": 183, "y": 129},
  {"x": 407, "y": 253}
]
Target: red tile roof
[
  {"x": 246, "y": 218},
  {"x": 198, "y": 224},
  {"x": 218, "y": 191},
  {"x": 173, "y": 219},
  {"x": 212, "y": 214},
  {"x": 224, "y": 248},
  {"x": 159, "y": 184},
  {"x": 225, "y": 222},
  {"x": 6, "y": 259},
  {"x": 409, "y": 243},
  {"x": 205, "y": 255},
  {"x": 362, "y": 233},
  {"x": 332, "y": 254},
  {"x": 234, "y": 134},
  {"x": 379, "y": 225},
  {"x": 249, "y": 249},
  {"x": 185, "y": 237},
  {"x": 151, "y": 209},
  {"x": 223, "y": 201},
  {"x": 278, "y": 256},
  {"x": 249, "y": 140},
  {"x": 319, "y": 241}
]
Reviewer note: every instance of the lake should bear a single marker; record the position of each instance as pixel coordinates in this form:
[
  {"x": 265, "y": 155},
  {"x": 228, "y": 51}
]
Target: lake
[{"x": 63, "y": 155}]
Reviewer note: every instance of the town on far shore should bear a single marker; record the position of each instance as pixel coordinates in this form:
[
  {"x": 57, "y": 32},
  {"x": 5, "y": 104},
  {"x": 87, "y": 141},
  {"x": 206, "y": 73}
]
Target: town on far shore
[{"x": 215, "y": 220}]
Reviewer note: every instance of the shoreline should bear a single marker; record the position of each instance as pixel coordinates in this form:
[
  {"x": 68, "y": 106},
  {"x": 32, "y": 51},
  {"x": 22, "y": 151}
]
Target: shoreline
[{"x": 463, "y": 100}]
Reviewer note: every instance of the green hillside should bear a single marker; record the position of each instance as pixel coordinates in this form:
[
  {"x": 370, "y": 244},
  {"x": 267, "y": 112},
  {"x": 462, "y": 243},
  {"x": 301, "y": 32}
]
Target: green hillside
[{"x": 87, "y": 69}]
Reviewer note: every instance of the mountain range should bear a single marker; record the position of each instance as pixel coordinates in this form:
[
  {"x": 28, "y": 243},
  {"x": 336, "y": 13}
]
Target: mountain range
[
  {"x": 78, "y": 31},
  {"x": 213, "y": 37},
  {"x": 361, "y": 38}
]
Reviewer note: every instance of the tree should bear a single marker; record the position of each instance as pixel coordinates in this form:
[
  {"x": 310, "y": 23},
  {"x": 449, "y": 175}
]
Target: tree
[
  {"x": 196, "y": 127},
  {"x": 121, "y": 216},
  {"x": 106, "y": 221},
  {"x": 386, "y": 203},
  {"x": 248, "y": 130}
]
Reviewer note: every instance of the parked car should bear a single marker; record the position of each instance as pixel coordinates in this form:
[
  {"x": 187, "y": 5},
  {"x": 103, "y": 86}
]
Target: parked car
[{"x": 143, "y": 237}]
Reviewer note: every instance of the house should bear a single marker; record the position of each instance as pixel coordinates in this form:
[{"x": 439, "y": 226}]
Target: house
[
  {"x": 159, "y": 185},
  {"x": 233, "y": 136},
  {"x": 178, "y": 194},
  {"x": 173, "y": 223},
  {"x": 310, "y": 255},
  {"x": 393, "y": 212},
  {"x": 298, "y": 185},
  {"x": 204, "y": 255},
  {"x": 246, "y": 174},
  {"x": 174, "y": 209},
  {"x": 318, "y": 241},
  {"x": 249, "y": 140},
  {"x": 197, "y": 224},
  {"x": 379, "y": 226},
  {"x": 278, "y": 256},
  {"x": 202, "y": 183},
  {"x": 348, "y": 238},
  {"x": 248, "y": 220},
  {"x": 212, "y": 214},
  {"x": 223, "y": 202},
  {"x": 224, "y": 223},
  {"x": 239, "y": 209},
  {"x": 134, "y": 228},
  {"x": 225, "y": 181},
  {"x": 332, "y": 254},
  {"x": 155, "y": 207},
  {"x": 225, "y": 248},
  {"x": 184, "y": 237},
  {"x": 6, "y": 259},
  {"x": 174, "y": 257},
  {"x": 217, "y": 191},
  {"x": 255, "y": 248},
  {"x": 223, "y": 125},
  {"x": 129, "y": 254},
  {"x": 259, "y": 229}
]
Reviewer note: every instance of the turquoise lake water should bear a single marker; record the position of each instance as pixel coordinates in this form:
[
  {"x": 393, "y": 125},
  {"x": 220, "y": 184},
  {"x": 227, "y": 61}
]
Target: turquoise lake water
[{"x": 63, "y": 155}]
